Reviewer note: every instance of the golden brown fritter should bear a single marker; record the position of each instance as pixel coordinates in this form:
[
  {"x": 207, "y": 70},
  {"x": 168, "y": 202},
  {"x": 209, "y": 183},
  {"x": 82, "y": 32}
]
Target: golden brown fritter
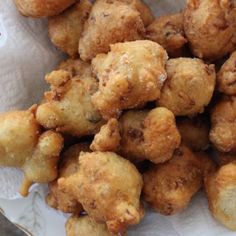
[
  {"x": 110, "y": 22},
  {"x": 86, "y": 226},
  {"x": 140, "y": 135},
  {"x": 108, "y": 187},
  {"x": 210, "y": 27},
  {"x": 226, "y": 77},
  {"x": 223, "y": 126},
  {"x": 68, "y": 107},
  {"x": 66, "y": 28},
  {"x": 68, "y": 166},
  {"x": 41, "y": 8},
  {"x": 169, "y": 187},
  {"x": 194, "y": 132},
  {"x": 150, "y": 135},
  {"x": 189, "y": 86},
  {"x": 130, "y": 75},
  {"x": 168, "y": 31},
  {"x": 108, "y": 138},
  {"x": 23, "y": 145},
  {"x": 221, "y": 193}
]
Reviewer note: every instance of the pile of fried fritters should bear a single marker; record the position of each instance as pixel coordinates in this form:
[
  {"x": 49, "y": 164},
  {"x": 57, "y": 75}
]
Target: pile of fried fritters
[{"x": 143, "y": 109}]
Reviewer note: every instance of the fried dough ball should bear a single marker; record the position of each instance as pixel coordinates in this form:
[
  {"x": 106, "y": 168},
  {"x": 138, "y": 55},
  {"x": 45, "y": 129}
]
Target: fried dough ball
[
  {"x": 226, "y": 77},
  {"x": 108, "y": 138},
  {"x": 221, "y": 193},
  {"x": 189, "y": 86},
  {"x": 169, "y": 187},
  {"x": 226, "y": 158},
  {"x": 140, "y": 135},
  {"x": 41, "y": 8},
  {"x": 23, "y": 145},
  {"x": 68, "y": 107},
  {"x": 194, "y": 132},
  {"x": 108, "y": 187},
  {"x": 149, "y": 135},
  {"x": 66, "y": 28},
  {"x": 210, "y": 27},
  {"x": 223, "y": 126},
  {"x": 58, "y": 199},
  {"x": 130, "y": 75},
  {"x": 110, "y": 22},
  {"x": 86, "y": 226},
  {"x": 168, "y": 31}
]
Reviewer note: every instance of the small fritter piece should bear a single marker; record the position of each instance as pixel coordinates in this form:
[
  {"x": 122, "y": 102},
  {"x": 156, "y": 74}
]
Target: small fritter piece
[
  {"x": 109, "y": 22},
  {"x": 194, "y": 132},
  {"x": 168, "y": 31},
  {"x": 210, "y": 27},
  {"x": 226, "y": 158},
  {"x": 223, "y": 126},
  {"x": 23, "y": 145},
  {"x": 66, "y": 28},
  {"x": 130, "y": 75},
  {"x": 226, "y": 77},
  {"x": 41, "y": 8},
  {"x": 85, "y": 226},
  {"x": 58, "y": 199},
  {"x": 108, "y": 187},
  {"x": 221, "y": 193},
  {"x": 140, "y": 135},
  {"x": 189, "y": 86},
  {"x": 68, "y": 107},
  {"x": 169, "y": 187},
  {"x": 149, "y": 135},
  {"x": 108, "y": 138}
]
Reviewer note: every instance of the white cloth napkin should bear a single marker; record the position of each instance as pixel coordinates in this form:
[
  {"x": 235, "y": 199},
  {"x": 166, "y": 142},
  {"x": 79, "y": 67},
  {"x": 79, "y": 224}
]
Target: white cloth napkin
[{"x": 26, "y": 55}]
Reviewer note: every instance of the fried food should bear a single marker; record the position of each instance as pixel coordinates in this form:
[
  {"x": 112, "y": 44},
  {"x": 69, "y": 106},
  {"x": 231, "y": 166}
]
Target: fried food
[
  {"x": 76, "y": 67},
  {"x": 23, "y": 145},
  {"x": 189, "y": 86},
  {"x": 144, "y": 10},
  {"x": 194, "y": 132},
  {"x": 223, "y": 126},
  {"x": 41, "y": 8},
  {"x": 108, "y": 138},
  {"x": 221, "y": 193},
  {"x": 207, "y": 163},
  {"x": 66, "y": 28},
  {"x": 68, "y": 107},
  {"x": 58, "y": 199},
  {"x": 210, "y": 27},
  {"x": 226, "y": 158},
  {"x": 168, "y": 31},
  {"x": 130, "y": 75},
  {"x": 121, "y": 21},
  {"x": 169, "y": 187},
  {"x": 108, "y": 187},
  {"x": 82, "y": 226},
  {"x": 140, "y": 135},
  {"x": 149, "y": 135},
  {"x": 226, "y": 77}
]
